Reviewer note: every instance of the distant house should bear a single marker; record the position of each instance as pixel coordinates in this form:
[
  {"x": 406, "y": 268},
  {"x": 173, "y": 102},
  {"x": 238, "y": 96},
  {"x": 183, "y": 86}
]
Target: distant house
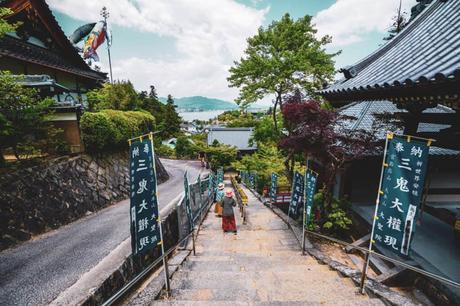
[
  {"x": 237, "y": 137},
  {"x": 189, "y": 128},
  {"x": 40, "y": 51},
  {"x": 170, "y": 142}
]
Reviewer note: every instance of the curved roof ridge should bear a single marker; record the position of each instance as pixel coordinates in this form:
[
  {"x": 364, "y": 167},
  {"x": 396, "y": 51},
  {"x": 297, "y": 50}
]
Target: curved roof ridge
[{"x": 389, "y": 44}]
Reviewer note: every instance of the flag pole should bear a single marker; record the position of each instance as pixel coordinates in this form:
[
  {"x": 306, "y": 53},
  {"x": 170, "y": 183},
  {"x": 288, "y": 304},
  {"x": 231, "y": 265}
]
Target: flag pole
[
  {"x": 368, "y": 255},
  {"x": 165, "y": 263},
  {"x": 105, "y": 13},
  {"x": 304, "y": 208}
]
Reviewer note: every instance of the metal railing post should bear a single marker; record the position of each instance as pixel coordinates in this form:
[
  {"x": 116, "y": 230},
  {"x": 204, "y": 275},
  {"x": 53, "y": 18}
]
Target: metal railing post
[{"x": 193, "y": 242}]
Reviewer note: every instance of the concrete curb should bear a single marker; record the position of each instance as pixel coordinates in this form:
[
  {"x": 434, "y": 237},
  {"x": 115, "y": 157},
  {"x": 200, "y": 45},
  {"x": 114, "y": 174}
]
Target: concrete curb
[{"x": 373, "y": 287}]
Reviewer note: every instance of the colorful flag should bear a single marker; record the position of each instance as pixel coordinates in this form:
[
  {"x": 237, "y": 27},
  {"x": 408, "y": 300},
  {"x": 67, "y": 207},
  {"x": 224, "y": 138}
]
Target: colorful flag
[{"x": 94, "y": 40}]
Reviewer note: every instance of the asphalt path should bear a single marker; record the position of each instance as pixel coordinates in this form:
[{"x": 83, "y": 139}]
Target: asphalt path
[{"x": 35, "y": 272}]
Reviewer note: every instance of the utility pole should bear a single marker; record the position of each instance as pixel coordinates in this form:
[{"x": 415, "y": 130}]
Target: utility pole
[{"x": 105, "y": 14}]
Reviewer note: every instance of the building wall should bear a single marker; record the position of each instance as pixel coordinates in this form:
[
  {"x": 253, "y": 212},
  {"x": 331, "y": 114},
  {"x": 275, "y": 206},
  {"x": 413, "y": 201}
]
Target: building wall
[{"x": 71, "y": 134}]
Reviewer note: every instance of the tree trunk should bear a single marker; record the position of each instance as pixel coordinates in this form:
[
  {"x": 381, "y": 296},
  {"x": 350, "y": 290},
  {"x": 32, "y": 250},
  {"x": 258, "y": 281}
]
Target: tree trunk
[
  {"x": 288, "y": 166},
  {"x": 275, "y": 122}
]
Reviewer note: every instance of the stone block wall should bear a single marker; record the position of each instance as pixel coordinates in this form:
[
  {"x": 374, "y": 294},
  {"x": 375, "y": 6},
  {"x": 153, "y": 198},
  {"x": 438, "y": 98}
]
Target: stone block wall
[{"x": 37, "y": 199}]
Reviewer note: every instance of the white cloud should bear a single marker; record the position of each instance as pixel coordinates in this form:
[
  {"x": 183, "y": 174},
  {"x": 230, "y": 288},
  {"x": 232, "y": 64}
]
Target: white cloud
[
  {"x": 209, "y": 36},
  {"x": 348, "y": 21}
]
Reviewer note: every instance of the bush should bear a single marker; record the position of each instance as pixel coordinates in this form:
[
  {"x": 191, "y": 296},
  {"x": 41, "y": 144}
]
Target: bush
[
  {"x": 335, "y": 218},
  {"x": 164, "y": 151},
  {"x": 185, "y": 148},
  {"x": 110, "y": 129}
]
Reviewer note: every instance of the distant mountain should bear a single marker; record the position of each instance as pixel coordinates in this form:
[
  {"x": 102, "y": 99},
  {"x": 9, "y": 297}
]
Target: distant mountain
[{"x": 201, "y": 103}]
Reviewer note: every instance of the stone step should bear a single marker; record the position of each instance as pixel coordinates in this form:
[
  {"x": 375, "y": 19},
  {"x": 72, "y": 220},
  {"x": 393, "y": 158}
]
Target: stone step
[
  {"x": 241, "y": 265},
  {"x": 255, "y": 297},
  {"x": 216, "y": 295},
  {"x": 197, "y": 303}
]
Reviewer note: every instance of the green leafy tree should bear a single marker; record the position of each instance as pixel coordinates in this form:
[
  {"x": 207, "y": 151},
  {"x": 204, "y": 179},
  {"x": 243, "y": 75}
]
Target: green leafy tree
[
  {"x": 172, "y": 120},
  {"x": 22, "y": 116},
  {"x": 266, "y": 160},
  {"x": 185, "y": 148},
  {"x": 281, "y": 58},
  {"x": 120, "y": 95},
  {"x": 5, "y": 26},
  {"x": 264, "y": 131},
  {"x": 220, "y": 155}
]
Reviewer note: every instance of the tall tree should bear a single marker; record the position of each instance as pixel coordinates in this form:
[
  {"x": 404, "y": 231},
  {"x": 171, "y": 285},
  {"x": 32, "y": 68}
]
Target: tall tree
[
  {"x": 280, "y": 58},
  {"x": 324, "y": 135},
  {"x": 172, "y": 119}
]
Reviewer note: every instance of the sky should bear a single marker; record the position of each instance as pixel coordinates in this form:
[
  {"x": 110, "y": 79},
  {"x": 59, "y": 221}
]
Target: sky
[{"x": 186, "y": 47}]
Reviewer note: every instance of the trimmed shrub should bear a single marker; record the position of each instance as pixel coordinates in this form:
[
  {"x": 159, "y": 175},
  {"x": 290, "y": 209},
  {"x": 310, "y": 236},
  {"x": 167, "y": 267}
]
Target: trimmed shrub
[{"x": 109, "y": 130}]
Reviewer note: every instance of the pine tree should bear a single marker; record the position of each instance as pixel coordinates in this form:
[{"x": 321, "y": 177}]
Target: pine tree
[{"x": 172, "y": 119}]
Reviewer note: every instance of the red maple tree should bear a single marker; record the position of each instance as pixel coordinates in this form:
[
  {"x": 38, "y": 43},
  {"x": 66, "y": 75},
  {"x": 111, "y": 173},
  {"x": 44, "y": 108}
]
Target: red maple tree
[{"x": 325, "y": 135}]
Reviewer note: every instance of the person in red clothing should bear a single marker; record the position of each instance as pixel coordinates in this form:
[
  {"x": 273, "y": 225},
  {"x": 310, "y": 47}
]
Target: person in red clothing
[{"x": 228, "y": 218}]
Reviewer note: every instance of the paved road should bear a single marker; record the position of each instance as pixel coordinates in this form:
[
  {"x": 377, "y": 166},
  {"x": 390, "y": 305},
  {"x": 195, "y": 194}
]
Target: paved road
[{"x": 37, "y": 271}]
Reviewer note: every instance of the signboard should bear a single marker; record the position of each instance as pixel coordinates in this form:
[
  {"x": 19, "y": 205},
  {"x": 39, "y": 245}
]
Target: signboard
[
  {"x": 403, "y": 177},
  {"x": 309, "y": 192},
  {"x": 145, "y": 231},
  {"x": 296, "y": 195},
  {"x": 188, "y": 206},
  {"x": 273, "y": 186}
]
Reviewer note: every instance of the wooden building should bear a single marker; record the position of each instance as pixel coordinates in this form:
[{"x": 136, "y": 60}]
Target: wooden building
[
  {"x": 40, "y": 50},
  {"x": 415, "y": 78}
]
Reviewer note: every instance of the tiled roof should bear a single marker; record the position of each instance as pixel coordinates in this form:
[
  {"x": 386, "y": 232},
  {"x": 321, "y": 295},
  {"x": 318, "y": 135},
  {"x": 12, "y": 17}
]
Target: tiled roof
[
  {"x": 426, "y": 51},
  {"x": 69, "y": 61},
  {"x": 365, "y": 112},
  {"x": 18, "y": 49}
]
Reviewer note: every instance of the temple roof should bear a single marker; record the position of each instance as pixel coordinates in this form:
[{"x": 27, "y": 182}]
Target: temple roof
[
  {"x": 60, "y": 54},
  {"x": 421, "y": 63},
  {"x": 367, "y": 112}
]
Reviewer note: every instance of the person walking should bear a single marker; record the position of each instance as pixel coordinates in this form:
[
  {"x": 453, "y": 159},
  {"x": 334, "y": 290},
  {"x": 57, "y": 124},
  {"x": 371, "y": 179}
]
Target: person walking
[
  {"x": 219, "y": 198},
  {"x": 228, "y": 218}
]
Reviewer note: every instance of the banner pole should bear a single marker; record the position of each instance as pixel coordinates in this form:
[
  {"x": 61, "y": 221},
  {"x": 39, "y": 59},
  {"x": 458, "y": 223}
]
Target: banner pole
[
  {"x": 304, "y": 208},
  {"x": 368, "y": 255},
  {"x": 165, "y": 263}
]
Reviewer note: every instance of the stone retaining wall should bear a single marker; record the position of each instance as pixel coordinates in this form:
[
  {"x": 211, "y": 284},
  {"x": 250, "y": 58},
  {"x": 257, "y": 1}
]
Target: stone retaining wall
[{"x": 37, "y": 199}]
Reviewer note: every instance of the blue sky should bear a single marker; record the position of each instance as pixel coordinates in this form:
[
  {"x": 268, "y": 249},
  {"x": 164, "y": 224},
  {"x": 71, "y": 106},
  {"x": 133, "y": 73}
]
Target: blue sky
[{"x": 186, "y": 47}]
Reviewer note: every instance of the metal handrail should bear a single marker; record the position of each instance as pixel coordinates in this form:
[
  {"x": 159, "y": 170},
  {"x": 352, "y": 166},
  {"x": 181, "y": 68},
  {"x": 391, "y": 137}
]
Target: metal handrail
[
  {"x": 120, "y": 293},
  {"x": 141, "y": 275},
  {"x": 392, "y": 260}
]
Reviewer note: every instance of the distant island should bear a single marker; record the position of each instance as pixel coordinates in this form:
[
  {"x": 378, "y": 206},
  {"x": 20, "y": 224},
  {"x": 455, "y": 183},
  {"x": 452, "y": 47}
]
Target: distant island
[{"x": 200, "y": 104}]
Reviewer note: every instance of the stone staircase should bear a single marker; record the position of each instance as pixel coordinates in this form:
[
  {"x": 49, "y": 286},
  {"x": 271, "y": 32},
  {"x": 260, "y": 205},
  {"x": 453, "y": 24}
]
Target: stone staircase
[{"x": 262, "y": 265}]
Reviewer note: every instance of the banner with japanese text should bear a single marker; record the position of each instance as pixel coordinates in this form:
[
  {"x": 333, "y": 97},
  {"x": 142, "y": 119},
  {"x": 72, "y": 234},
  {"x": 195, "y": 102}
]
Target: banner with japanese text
[
  {"x": 252, "y": 180},
  {"x": 145, "y": 234},
  {"x": 220, "y": 175},
  {"x": 273, "y": 186},
  {"x": 309, "y": 192},
  {"x": 188, "y": 205},
  {"x": 296, "y": 195},
  {"x": 211, "y": 182},
  {"x": 400, "y": 195}
]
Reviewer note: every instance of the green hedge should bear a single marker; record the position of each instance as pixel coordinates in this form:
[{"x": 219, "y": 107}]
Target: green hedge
[{"x": 109, "y": 130}]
